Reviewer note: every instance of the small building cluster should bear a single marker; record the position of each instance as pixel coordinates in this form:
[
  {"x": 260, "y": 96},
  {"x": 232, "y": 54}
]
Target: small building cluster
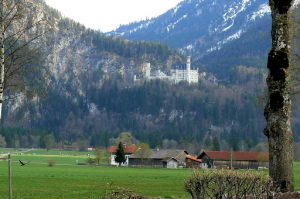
[
  {"x": 160, "y": 159},
  {"x": 178, "y": 74},
  {"x": 174, "y": 158}
]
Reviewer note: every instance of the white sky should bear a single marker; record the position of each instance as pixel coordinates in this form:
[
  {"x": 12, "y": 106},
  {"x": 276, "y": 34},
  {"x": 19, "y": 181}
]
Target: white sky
[{"x": 106, "y": 15}]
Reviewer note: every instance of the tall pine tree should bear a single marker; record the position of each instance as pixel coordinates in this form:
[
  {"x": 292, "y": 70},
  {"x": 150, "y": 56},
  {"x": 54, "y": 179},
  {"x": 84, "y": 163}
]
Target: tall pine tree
[{"x": 120, "y": 154}]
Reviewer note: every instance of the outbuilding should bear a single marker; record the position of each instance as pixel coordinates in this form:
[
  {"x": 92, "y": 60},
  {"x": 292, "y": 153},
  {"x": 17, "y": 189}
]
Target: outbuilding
[
  {"x": 237, "y": 160},
  {"x": 170, "y": 163}
]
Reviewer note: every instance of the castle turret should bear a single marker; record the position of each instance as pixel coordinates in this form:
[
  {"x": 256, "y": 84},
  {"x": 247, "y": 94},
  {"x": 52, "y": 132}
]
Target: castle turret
[{"x": 188, "y": 69}]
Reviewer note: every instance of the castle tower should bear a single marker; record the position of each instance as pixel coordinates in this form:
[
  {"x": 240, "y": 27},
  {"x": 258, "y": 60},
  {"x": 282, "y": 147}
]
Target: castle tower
[
  {"x": 148, "y": 71},
  {"x": 188, "y": 69}
]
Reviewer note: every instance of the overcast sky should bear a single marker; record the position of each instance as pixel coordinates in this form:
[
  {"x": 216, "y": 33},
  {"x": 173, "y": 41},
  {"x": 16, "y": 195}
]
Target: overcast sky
[{"x": 106, "y": 15}]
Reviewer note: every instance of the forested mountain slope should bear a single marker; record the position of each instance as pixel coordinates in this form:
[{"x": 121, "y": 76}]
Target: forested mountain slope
[{"x": 90, "y": 96}]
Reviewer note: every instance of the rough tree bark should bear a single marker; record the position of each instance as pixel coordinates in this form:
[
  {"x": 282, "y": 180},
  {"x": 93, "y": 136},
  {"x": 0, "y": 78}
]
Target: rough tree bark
[{"x": 278, "y": 108}]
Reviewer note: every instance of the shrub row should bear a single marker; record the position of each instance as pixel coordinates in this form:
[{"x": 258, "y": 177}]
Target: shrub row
[
  {"x": 229, "y": 184},
  {"x": 122, "y": 193}
]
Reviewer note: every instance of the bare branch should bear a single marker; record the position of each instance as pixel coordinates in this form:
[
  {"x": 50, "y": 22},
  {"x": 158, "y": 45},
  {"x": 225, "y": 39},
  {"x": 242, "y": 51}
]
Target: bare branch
[
  {"x": 23, "y": 31},
  {"x": 9, "y": 20},
  {"x": 24, "y": 45}
]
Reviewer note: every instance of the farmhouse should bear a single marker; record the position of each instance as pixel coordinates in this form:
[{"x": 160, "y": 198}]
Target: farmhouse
[
  {"x": 240, "y": 160},
  {"x": 160, "y": 159},
  {"x": 129, "y": 150}
]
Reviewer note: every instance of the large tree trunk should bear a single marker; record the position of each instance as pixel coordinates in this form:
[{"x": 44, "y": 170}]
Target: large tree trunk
[{"x": 278, "y": 108}]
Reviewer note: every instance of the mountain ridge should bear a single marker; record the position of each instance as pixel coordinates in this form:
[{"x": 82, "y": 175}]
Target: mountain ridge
[
  {"x": 205, "y": 19},
  {"x": 210, "y": 31}
]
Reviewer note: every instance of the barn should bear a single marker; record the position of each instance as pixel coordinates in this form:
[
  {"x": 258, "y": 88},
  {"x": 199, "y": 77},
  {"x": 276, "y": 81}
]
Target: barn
[
  {"x": 237, "y": 160},
  {"x": 160, "y": 159}
]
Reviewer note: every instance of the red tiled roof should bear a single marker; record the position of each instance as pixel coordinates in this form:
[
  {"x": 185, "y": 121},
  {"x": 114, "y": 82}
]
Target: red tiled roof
[
  {"x": 239, "y": 156},
  {"x": 193, "y": 158},
  {"x": 127, "y": 149}
]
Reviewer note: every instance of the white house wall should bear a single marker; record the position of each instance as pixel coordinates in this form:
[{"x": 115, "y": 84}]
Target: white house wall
[
  {"x": 114, "y": 163},
  {"x": 172, "y": 164}
]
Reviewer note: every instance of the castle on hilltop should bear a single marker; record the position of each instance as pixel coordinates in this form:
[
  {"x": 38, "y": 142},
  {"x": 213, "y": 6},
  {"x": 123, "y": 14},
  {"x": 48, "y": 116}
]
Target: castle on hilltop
[{"x": 178, "y": 74}]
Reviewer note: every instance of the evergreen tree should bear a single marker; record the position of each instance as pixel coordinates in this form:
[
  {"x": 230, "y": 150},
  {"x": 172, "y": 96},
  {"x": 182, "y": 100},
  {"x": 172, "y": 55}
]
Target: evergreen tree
[{"x": 120, "y": 154}]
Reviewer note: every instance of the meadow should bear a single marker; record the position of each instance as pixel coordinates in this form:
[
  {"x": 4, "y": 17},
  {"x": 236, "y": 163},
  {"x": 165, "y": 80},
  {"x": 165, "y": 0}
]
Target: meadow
[{"x": 68, "y": 180}]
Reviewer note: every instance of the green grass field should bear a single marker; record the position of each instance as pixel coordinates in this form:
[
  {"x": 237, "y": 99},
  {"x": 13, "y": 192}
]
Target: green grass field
[
  {"x": 67, "y": 180},
  {"x": 40, "y": 181}
]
